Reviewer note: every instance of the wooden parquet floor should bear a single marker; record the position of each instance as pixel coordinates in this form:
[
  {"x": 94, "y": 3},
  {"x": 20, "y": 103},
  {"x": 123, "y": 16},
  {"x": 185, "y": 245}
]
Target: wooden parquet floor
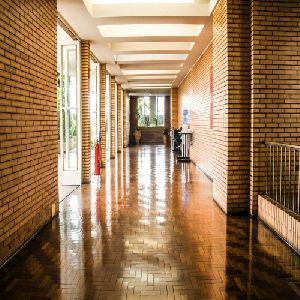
[{"x": 148, "y": 229}]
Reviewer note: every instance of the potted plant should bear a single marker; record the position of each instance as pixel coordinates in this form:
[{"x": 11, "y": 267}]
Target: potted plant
[
  {"x": 137, "y": 132},
  {"x": 166, "y": 136}
]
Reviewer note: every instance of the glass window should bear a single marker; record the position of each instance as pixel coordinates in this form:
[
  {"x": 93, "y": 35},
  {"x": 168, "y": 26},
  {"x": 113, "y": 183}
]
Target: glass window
[{"x": 151, "y": 111}]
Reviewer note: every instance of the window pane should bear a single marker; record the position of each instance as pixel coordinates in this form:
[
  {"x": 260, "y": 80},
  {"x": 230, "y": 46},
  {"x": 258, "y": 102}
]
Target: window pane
[
  {"x": 70, "y": 146},
  {"x": 160, "y": 111}
]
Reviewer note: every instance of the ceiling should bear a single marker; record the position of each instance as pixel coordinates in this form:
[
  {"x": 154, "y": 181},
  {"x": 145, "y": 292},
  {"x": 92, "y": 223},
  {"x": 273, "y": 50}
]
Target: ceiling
[{"x": 149, "y": 45}]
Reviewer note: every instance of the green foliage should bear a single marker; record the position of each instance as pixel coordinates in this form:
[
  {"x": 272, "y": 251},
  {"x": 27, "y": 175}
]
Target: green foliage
[{"x": 166, "y": 131}]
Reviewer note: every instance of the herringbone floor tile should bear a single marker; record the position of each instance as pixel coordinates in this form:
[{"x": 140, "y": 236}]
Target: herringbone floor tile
[{"x": 148, "y": 229}]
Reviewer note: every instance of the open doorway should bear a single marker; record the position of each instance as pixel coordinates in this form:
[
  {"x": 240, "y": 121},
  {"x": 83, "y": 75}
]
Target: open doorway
[{"x": 68, "y": 112}]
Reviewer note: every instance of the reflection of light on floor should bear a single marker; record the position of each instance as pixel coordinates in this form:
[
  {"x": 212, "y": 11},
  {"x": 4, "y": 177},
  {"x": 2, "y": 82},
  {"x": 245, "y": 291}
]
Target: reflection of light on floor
[
  {"x": 127, "y": 171},
  {"x": 160, "y": 219},
  {"x": 108, "y": 199},
  {"x": 144, "y": 221},
  {"x": 116, "y": 183},
  {"x": 160, "y": 167}
]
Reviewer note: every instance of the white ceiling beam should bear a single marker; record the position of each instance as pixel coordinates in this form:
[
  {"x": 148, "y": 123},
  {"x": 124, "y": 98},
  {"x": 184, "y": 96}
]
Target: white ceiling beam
[
  {"x": 152, "y": 47},
  {"x": 136, "y": 58},
  {"x": 146, "y": 9}
]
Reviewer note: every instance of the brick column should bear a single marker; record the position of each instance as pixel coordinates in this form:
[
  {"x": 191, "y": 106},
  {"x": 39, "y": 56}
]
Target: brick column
[
  {"x": 85, "y": 112},
  {"x": 125, "y": 121},
  {"x": 174, "y": 107},
  {"x": 275, "y": 99},
  {"x": 28, "y": 126},
  {"x": 113, "y": 116},
  {"x": 167, "y": 112},
  {"x": 119, "y": 118},
  {"x": 232, "y": 77},
  {"x": 102, "y": 114}
]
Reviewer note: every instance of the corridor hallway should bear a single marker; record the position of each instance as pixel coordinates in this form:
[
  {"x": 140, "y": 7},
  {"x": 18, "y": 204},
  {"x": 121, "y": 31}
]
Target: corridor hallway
[{"x": 149, "y": 229}]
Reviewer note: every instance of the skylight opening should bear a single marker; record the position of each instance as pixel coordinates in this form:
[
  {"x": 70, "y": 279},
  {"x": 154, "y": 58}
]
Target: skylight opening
[
  {"x": 145, "y": 57},
  {"x": 150, "y": 30},
  {"x": 149, "y": 72},
  {"x": 142, "y": 1}
]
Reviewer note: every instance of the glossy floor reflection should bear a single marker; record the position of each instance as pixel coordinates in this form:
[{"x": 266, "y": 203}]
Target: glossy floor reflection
[{"x": 148, "y": 229}]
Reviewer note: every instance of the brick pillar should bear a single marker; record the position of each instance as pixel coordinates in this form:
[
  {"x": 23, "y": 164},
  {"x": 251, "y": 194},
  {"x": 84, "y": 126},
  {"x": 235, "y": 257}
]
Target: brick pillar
[
  {"x": 232, "y": 97},
  {"x": 102, "y": 114},
  {"x": 275, "y": 102},
  {"x": 167, "y": 112},
  {"x": 119, "y": 118},
  {"x": 125, "y": 121},
  {"x": 28, "y": 121},
  {"x": 113, "y": 116},
  {"x": 85, "y": 112},
  {"x": 174, "y": 107}
]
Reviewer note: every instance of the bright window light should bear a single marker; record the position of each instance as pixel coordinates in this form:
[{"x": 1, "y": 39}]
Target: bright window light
[
  {"x": 143, "y": 57},
  {"x": 151, "y": 84},
  {"x": 151, "y": 46},
  {"x": 146, "y": 30},
  {"x": 141, "y": 1}
]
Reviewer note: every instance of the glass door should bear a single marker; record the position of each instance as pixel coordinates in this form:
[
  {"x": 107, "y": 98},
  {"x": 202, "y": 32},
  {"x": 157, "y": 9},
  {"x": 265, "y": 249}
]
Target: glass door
[{"x": 70, "y": 115}]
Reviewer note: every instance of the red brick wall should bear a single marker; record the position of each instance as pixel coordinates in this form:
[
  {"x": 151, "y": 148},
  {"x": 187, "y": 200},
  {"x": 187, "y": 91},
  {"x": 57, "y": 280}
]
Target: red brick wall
[
  {"x": 174, "y": 107},
  {"x": 103, "y": 114},
  {"x": 275, "y": 104},
  {"x": 194, "y": 95},
  {"x": 239, "y": 97},
  {"x": 28, "y": 120},
  {"x": 85, "y": 111},
  {"x": 220, "y": 64},
  {"x": 223, "y": 152}
]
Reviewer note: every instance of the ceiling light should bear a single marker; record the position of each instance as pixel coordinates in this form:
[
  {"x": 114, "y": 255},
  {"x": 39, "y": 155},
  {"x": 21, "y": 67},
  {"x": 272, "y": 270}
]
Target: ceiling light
[{"x": 149, "y": 30}]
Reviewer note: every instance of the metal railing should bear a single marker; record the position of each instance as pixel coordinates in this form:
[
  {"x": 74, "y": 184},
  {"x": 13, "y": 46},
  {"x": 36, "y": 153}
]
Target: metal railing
[{"x": 283, "y": 175}]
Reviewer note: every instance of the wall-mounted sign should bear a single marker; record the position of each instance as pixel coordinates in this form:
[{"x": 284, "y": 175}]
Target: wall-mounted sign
[{"x": 185, "y": 117}]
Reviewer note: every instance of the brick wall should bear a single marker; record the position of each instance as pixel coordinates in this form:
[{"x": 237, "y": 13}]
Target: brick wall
[
  {"x": 102, "y": 113},
  {"x": 194, "y": 95},
  {"x": 275, "y": 103},
  {"x": 220, "y": 65},
  {"x": 223, "y": 152},
  {"x": 174, "y": 107},
  {"x": 119, "y": 118},
  {"x": 125, "y": 119},
  {"x": 168, "y": 112},
  {"x": 28, "y": 120},
  {"x": 239, "y": 97},
  {"x": 112, "y": 117},
  {"x": 85, "y": 112},
  {"x": 231, "y": 62}
]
